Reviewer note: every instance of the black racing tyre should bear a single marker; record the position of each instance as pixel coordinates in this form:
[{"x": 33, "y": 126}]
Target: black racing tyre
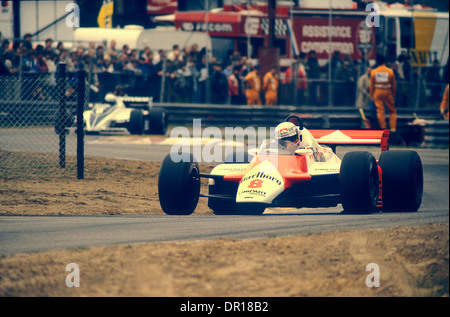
[
  {"x": 136, "y": 124},
  {"x": 402, "y": 180},
  {"x": 238, "y": 157},
  {"x": 158, "y": 121},
  {"x": 359, "y": 182},
  {"x": 179, "y": 186}
]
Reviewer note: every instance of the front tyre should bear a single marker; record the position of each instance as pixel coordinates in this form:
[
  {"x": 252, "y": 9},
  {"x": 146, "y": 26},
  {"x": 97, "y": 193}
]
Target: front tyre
[
  {"x": 359, "y": 183},
  {"x": 402, "y": 180},
  {"x": 179, "y": 185},
  {"x": 136, "y": 124},
  {"x": 158, "y": 121}
]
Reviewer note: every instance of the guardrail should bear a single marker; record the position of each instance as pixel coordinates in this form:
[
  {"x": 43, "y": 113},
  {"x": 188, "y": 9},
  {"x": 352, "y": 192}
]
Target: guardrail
[
  {"x": 315, "y": 117},
  {"x": 228, "y": 115},
  {"x": 437, "y": 134}
]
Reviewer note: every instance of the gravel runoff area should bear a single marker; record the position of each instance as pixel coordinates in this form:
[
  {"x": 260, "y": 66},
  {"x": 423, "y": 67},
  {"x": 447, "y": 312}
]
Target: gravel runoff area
[{"x": 412, "y": 261}]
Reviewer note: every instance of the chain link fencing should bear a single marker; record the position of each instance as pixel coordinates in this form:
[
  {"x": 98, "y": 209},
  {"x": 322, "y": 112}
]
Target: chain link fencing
[{"x": 38, "y": 124}]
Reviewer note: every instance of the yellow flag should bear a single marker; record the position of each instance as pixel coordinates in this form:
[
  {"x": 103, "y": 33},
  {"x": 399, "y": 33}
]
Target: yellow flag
[{"x": 104, "y": 18}]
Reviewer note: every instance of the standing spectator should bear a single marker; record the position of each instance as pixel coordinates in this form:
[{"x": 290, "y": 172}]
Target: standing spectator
[
  {"x": 270, "y": 87},
  {"x": 50, "y": 61},
  {"x": 158, "y": 75},
  {"x": 343, "y": 88},
  {"x": 398, "y": 73},
  {"x": 4, "y": 48},
  {"x": 228, "y": 70},
  {"x": 30, "y": 62},
  {"x": 336, "y": 64},
  {"x": 383, "y": 88},
  {"x": 400, "y": 62},
  {"x": 200, "y": 95},
  {"x": 253, "y": 87},
  {"x": 175, "y": 55},
  {"x": 195, "y": 56},
  {"x": 235, "y": 87},
  {"x": 64, "y": 58},
  {"x": 108, "y": 65},
  {"x": 125, "y": 51},
  {"x": 302, "y": 83},
  {"x": 185, "y": 54},
  {"x": 219, "y": 85},
  {"x": 111, "y": 50},
  {"x": 363, "y": 99},
  {"x": 193, "y": 79},
  {"x": 100, "y": 52},
  {"x": 59, "y": 48},
  {"x": 434, "y": 81},
  {"x": 313, "y": 73},
  {"x": 182, "y": 84},
  {"x": 407, "y": 68},
  {"x": 409, "y": 80},
  {"x": 48, "y": 45},
  {"x": 116, "y": 63},
  {"x": 444, "y": 104},
  {"x": 27, "y": 42},
  {"x": 105, "y": 77},
  {"x": 146, "y": 53},
  {"x": 41, "y": 62}
]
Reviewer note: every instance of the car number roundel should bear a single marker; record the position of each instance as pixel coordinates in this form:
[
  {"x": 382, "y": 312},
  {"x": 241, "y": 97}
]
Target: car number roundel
[{"x": 256, "y": 183}]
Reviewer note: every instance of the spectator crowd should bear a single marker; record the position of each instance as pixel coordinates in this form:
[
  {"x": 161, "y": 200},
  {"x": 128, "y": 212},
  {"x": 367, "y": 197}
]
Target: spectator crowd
[{"x": 183, "y": 74}]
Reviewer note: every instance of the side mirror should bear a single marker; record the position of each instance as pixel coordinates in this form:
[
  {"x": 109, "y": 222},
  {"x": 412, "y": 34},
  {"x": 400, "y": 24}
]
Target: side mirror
[{"x": 252, "y": 152}]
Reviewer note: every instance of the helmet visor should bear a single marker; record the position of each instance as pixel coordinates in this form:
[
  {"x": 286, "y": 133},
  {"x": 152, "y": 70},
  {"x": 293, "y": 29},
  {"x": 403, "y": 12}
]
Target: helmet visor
[{"x": 292, "y": 139}]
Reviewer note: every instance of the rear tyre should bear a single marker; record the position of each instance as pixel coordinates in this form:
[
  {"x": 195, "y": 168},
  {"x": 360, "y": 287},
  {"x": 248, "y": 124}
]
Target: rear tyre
[
  {"x": 179, "y": 186},
  {"x": 402, "y": 180},
  {"x": 136, "y": 124},
  {"x": 359, "y": 183},
  {"x": 158, "y": 121}
]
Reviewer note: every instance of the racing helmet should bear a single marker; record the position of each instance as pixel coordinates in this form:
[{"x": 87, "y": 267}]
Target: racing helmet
[{"x": 287, "y": 132}]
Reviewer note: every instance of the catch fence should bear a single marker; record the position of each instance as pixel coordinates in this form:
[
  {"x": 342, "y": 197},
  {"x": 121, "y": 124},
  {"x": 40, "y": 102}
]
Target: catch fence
[{"x": 40, "y": 116}]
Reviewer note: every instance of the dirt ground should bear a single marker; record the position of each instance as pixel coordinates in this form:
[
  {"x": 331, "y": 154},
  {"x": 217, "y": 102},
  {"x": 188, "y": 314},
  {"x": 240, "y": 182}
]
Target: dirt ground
[{"x": 412, "y": 261}]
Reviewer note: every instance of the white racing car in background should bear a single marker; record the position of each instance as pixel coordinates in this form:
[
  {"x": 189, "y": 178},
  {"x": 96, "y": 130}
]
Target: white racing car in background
[{"x": 137, "y": 115}]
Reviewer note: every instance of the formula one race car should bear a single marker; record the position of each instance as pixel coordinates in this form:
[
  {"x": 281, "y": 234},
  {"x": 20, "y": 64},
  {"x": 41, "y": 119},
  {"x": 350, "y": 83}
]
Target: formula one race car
[
  {"x": 313, "y": 176},
  {"x": 120, "y": 114}
]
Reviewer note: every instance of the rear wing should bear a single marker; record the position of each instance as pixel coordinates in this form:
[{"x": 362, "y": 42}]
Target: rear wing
[{"x": 334, "y": 138}]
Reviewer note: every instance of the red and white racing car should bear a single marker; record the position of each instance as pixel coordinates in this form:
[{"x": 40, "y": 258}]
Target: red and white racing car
[{"x": 313, "y": 176}]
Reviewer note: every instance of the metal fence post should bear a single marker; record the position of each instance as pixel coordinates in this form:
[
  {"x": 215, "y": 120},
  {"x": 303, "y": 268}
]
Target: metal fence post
[
  {"x": 81, "y": 98},
  {"x": 61, "y": 118}
]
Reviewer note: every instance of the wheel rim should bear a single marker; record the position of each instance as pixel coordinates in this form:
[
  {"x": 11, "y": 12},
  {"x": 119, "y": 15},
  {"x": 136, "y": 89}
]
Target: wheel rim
[
  {"x": 374, "y": 188},
  {"x": 419, "y": 183},
  {"x": 194, "y": 183}
]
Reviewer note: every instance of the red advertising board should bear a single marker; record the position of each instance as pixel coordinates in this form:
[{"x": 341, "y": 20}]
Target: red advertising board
[{"x": 348, "y": 35}]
